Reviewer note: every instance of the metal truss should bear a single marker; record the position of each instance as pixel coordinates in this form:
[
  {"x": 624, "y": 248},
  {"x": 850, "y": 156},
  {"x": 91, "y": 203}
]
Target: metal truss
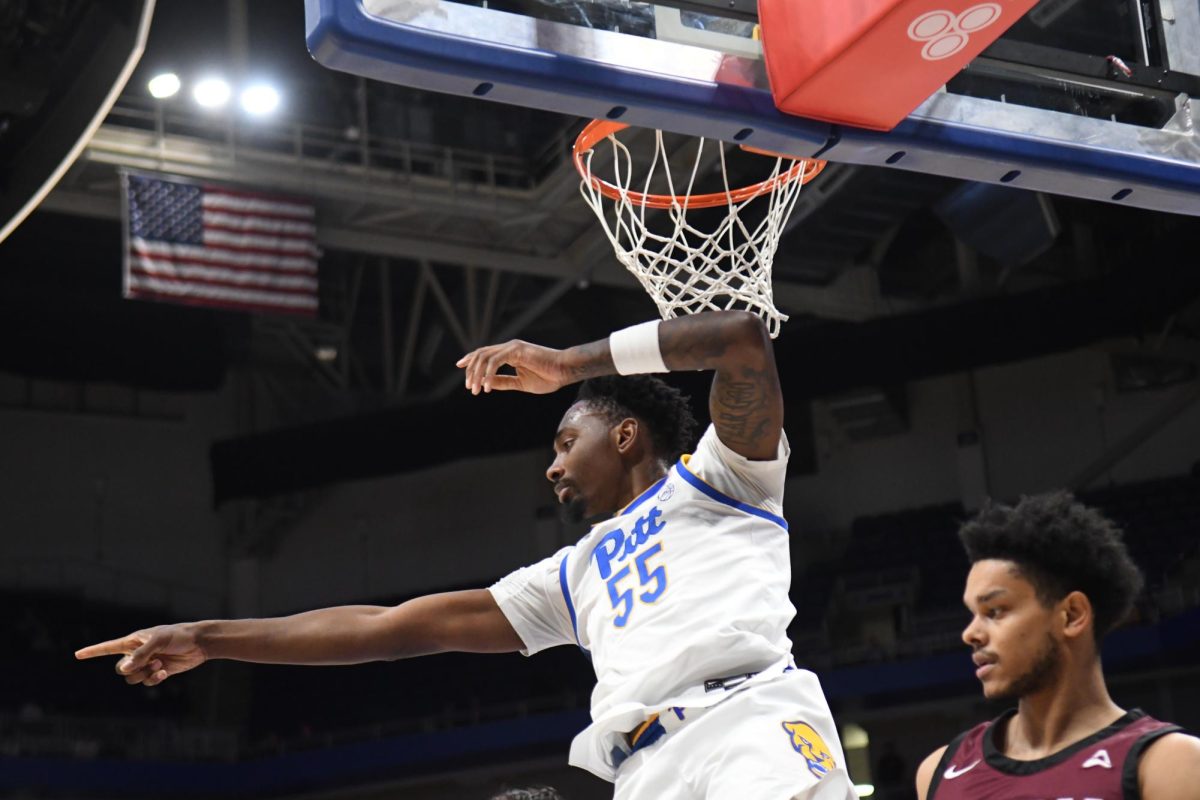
[{"x": 433, "y": 239}]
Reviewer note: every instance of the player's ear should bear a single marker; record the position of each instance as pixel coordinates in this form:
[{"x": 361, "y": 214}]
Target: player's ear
[
  {"x": 625, "y": 434},
  {"x": 1076, "y": 615}
]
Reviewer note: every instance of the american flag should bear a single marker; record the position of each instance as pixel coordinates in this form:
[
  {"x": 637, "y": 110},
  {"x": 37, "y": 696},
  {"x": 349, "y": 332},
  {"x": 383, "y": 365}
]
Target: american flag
[{"x": 212, "y": 246}]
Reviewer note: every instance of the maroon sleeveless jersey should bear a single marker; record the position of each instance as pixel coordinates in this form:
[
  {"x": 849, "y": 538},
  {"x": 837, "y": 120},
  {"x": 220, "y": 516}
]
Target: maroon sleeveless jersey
[{"x": 1104, "y": 766}]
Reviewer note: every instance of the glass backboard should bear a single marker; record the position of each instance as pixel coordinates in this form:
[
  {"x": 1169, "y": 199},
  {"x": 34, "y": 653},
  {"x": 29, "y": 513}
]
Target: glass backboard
[{"x": 1029, "y": 115}]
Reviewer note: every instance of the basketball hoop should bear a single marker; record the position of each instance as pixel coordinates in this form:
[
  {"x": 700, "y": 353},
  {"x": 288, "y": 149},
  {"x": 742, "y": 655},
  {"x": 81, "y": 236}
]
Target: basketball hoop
[{"x": 686, "y": 270}]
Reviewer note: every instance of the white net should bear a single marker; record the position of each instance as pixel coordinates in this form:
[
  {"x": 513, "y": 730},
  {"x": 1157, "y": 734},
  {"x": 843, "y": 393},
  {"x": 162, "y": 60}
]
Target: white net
[{"x": 684, "y": 269}]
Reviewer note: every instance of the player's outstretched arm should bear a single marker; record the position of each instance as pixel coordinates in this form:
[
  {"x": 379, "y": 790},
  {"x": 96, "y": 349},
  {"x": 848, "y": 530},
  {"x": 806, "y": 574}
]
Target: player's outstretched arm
[
  {"x": 745, "y": 404},
  {"x": 468, "y": 621},
  {"x": 925, "y": 772}
]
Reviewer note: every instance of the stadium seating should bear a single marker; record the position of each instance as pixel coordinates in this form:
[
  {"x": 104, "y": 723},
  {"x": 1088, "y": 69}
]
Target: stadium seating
[{"x": 892, "y": 594}]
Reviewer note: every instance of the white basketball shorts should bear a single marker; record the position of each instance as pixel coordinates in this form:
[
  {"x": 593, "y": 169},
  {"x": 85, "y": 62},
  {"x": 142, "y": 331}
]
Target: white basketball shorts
[{"x": 770, "y": 741}]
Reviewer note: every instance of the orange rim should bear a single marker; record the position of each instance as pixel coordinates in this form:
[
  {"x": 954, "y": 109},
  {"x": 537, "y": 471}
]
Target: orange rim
[{"x": 598, "y": 130}]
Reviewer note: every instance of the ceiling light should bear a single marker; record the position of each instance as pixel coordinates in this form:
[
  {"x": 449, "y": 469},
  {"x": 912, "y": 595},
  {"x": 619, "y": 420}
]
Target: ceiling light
[
  {"x": 163, "y": 85},
  {"x": 211, "y": 92},
  {"x": 260, "y": 99}
]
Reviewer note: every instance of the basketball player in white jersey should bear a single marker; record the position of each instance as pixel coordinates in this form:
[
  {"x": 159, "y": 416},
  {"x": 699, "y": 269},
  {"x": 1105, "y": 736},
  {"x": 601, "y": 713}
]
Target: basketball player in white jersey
[{"x": 679, "y": 594}]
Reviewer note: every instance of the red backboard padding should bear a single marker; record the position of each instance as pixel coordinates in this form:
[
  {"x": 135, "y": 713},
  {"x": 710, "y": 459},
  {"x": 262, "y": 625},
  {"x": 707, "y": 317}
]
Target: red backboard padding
[{"x": 869, "y": 63}]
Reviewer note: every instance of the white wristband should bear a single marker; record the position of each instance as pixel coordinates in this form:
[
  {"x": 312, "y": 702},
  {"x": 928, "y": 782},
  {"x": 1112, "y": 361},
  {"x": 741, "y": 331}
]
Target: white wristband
[{"x": 635, "y": 349}]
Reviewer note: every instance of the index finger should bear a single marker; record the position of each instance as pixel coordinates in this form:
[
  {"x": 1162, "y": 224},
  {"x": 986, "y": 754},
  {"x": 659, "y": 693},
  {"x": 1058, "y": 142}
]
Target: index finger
[
  {"x": 466, "y": 359},
  {"x": 113, "y": 647}
]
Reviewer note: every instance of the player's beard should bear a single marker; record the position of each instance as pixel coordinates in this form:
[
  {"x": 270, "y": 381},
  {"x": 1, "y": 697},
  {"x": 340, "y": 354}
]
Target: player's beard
[
  {"x": 574, "y": 510},
  {"x": 1043, "y": 672}
]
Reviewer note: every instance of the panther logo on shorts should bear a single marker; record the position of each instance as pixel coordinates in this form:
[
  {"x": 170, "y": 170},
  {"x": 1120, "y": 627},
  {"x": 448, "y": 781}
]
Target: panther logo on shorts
[{"x": 808, "y": 743}]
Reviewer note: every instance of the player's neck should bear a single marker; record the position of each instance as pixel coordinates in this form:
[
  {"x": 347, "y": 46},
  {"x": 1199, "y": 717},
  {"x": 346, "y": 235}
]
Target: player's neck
[
  {"x": 1072, "y": 708},
  {"x": 642, "y": 476}
]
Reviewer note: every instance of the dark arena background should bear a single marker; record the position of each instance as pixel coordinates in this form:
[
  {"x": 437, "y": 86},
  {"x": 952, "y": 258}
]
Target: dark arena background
[{"x": 948, "y": 342}]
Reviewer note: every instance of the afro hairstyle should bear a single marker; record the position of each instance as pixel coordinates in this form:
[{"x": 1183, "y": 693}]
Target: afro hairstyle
[
  {"x": 1059, "y": 545},
  {"x": 665, "y": 410}
]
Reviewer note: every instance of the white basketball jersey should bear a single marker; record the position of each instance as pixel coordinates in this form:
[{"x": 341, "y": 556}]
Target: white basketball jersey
[{"x": 687, "y": 584}]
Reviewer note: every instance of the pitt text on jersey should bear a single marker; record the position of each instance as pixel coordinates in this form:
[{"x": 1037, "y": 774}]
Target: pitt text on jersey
[{"x": 611, "y": 553}]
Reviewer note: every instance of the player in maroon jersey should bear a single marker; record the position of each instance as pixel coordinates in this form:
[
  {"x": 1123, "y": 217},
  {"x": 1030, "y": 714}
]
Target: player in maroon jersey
[{"x": 1049, "y": 578}]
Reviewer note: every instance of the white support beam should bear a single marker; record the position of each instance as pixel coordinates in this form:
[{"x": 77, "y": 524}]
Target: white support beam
[
  {"x": 489, "y": 305},
  {"x": 514, "y": 326},
  {"x": 472, "y": 303},
  {"x": 385, "y": 327},
  {"x": 448, "y": 311},
  {"x": 355, "y": 291},
  {"x": 409, "y": 346}
]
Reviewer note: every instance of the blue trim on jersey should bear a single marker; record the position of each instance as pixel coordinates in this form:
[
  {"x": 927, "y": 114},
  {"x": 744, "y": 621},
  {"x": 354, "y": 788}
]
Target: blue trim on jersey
[
  {"x": 566, "y": 593},
  {"x": 651, "y": 734},
  {"x": 643, "y": 497},
  {"x": 705, "y": 489}
]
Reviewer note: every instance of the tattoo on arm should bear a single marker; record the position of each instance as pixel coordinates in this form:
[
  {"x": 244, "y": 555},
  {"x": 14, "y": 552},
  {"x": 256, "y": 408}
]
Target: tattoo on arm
[
  {"x": 686, "y": 343},
  {"x": 590, "y": 361},
  {"x": 745, "y": 402},
  {"x": 746, "y": 411},
  {"x": 686, "y": 346}
]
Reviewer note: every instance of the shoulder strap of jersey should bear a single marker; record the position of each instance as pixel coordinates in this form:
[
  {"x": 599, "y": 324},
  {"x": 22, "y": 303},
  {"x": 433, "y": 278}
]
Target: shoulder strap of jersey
[
  {"x": 1130, "y": 788},
  {"x": 946, "y": 760}
]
